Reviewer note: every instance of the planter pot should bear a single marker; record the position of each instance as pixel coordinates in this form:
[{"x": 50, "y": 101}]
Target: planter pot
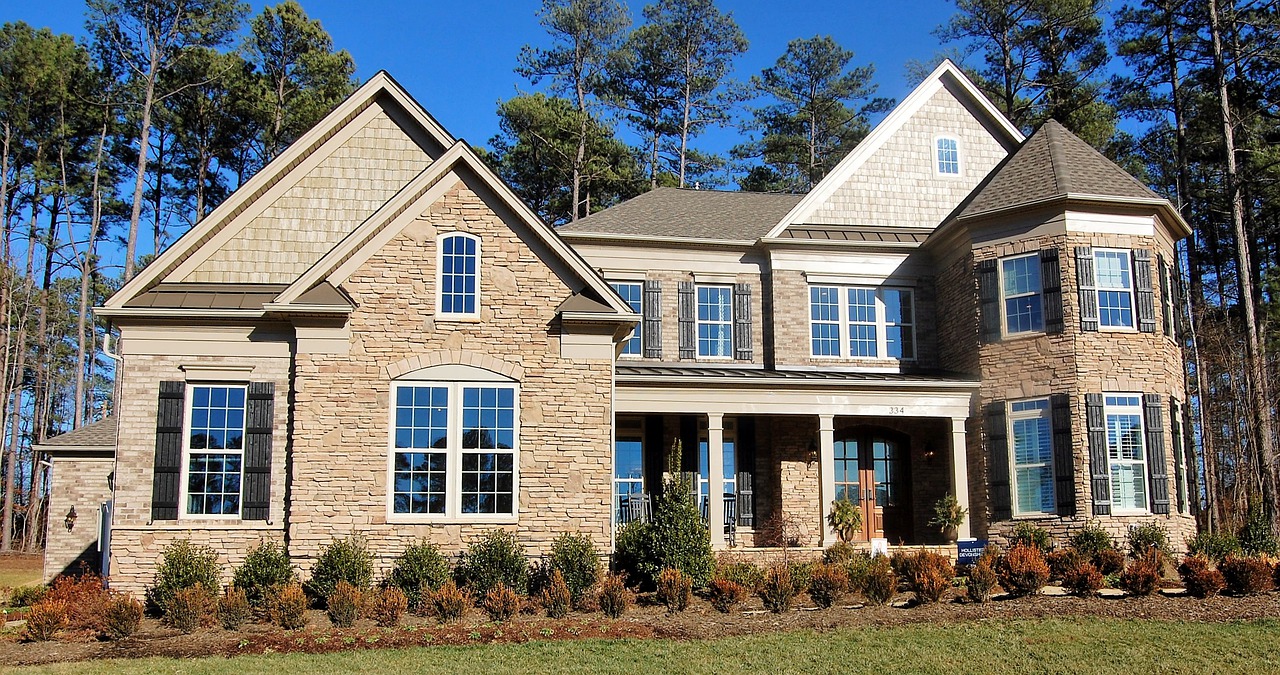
[{"x": 950, "y": 534}]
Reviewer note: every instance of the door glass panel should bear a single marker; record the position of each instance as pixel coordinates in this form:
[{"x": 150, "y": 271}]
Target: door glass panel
[
  {"x": 846, "y": 471},
  {"x": 885, "y": 461}
]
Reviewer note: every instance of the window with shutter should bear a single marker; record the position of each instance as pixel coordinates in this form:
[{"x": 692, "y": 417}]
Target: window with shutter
[
  {"x": 1086, "y": 291},
  {"x": 1099, "y": 468},
  {"x": 631, "y": 293},
  {"x": 742, "y": 347},
  {"x": 1144, "y": 290},
  {"x": 651, "y": 337},
  {"x": 688, "y": 332},
  {"x": 260, "y": 415},
  {"x": 998, "y": 461},
  {"x": 1064, "y": 465},
  {"x": 167, "y": 469},
  {"x": 1157, "y": 466},
  {"x": 989, "y": 299}
]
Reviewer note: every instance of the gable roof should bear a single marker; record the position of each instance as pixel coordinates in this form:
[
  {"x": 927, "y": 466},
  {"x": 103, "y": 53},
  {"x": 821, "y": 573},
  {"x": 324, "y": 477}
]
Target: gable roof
[{"x": 683, "y": 213}]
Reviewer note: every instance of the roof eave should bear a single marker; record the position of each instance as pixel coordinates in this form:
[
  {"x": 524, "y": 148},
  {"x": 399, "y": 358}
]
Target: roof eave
[
  {"x": 895, "y": 246},
  {"x": 1158, "y": 203},
  {"x": 176, "y": 313},
  {"x": 696, "y": 380},
  {"x": 600, "y": 317},
  {"x": 605, "y": 237}
]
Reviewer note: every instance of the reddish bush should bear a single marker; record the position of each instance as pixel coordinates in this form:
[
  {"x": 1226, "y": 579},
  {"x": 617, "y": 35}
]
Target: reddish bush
[
  {"x": 1246, "y": 575},
  {"x": 827, "y": 584},
  {"x": 1200, "y": 578},
  {"x": 448, "y": 603},
  {"x": 85, "y": 597},
  {"x": 190, "y": 608},
  {"x": 1023, "y": 570},
  {"x": 614, "y": 597},
  {"x": 287, "y": 606},
  {"x": 674, "y": 589},
  {"x": 1108, "y": 561},
  {"x": 724, "y": 594},
  {"x": 556, "y": 597},
  {"x": 45, "y": 619},
  {"x": 1064, "y": 561},
  {"x": 121, "y": 617},
  {"x": 982, "y": 580},
  {"x": 1083, "y": 579},
  {"x": 344, "y": 604},
  {"x": 501, "y": 603},
  {"x": 1142, "y": 576},
  {"x": 388, "y": 606},
  {"x": 932, "y": 576}
]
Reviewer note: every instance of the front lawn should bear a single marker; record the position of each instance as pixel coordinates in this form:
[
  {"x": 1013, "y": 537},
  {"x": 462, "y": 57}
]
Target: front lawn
[{"x": 1080, "y": 645}]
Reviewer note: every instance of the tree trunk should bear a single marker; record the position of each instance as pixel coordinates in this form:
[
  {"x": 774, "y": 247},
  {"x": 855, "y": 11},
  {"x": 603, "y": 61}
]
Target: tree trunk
[{"x": 139, "y": 183}]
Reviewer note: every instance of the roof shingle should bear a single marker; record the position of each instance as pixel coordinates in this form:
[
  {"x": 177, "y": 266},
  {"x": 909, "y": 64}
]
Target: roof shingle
[
  {"x": 100, "y": 434},
  {"x": 690, "y": 214}
]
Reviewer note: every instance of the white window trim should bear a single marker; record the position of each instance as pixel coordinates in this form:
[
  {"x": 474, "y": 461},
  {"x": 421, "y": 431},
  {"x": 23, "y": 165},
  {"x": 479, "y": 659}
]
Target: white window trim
[
  {"x": 1132, "y": 291},
  {"x": 183, "y": 476},
  {"x": 1166, "y": 302},
  {"x": 1004, "y": 308},
  {"x": 882, "y": 325},
  {"x": 440, "y": 314},
  {"x": 937, "y": 168},
  {"x": 639, "y": 327},
  {"x": 1107, "y": 411},
  {"x": 1012, "y": 417},
  {"x": 698, "y": 323},
  {"x": 453, "y": 458}
]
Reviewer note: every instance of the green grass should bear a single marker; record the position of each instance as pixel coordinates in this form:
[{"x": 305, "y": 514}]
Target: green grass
[{"x": 1077, "y": 647}]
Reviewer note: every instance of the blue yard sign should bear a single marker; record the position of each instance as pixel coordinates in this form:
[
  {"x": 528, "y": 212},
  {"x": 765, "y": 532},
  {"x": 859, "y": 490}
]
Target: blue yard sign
[{"x": 968, "y": 552}]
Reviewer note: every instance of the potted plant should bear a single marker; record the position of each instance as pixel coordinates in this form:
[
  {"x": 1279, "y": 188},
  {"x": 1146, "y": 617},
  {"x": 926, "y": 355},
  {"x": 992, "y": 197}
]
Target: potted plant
[
  {"x": 845, "y": 518},
  {"x": 948, "y": 516}
]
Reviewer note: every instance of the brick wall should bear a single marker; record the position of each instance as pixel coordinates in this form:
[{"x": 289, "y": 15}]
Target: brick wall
[{"x": 83, "y": 483}]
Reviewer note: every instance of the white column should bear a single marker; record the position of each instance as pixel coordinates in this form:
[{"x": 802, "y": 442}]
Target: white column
[
  {"x": 960, "y": 473},
  {"x": 715, "y": 478},
  {"x": 827, "y": 473}
]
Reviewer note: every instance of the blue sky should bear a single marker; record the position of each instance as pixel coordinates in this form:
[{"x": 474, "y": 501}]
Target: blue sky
[{"x": 458, "y": 58}]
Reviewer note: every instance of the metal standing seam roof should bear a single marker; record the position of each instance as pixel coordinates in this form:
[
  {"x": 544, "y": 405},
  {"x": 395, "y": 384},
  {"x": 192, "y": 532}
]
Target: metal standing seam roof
[
  {"x": 744, "y": 375},
  {"x": 100, "y": 434},
  {"x": 207, "y": 296},
  {"x": 690, "y": 214},
  {"x": 869, "y": 235}
]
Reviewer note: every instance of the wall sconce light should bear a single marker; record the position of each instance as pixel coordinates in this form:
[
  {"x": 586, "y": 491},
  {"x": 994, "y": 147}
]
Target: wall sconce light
[
  {"x": 70, "y": 520},
  {"x": 812, "y": 452},
  {"x": 930, "y": 454}
]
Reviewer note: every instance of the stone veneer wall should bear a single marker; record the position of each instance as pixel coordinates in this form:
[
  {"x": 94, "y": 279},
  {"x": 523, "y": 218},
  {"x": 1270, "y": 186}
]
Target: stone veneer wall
[{"x": 82, "y": 483}]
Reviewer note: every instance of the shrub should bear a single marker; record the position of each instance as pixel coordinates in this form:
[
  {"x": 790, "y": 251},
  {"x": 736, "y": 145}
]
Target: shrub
[
  {"x": 346, "y": 560},
  {"x": 556, "y": 596},
  {"x": 745, "y": 574},
  {"x": 121, "y": 617},
  {"x": 614, "y": 596},
  {"x": 1147, "y": 537},
  {"x": 183, "y": 565},
  {"x": 287, "y": 607},
  {"x": 1142, "y": 576},
  {"x": 982, "y": 580},
  {"x": 86, "y": 598},
  {"x": 1030, "y": 534},
  {"x": 501, "y": 603},
  {"x": 45, "y": 619},
  {"x": 1246, "y": 575},
  {"x": 674, "y": 589},
  {"x": 932, "y": 576},
  {"x": 827, "y": 584},
  {"x": 266, "y": 567},
  {"x": 343, "y": 604},
  {"x": 856, "y": 567},
  {"x": 1201, "y": 580},
  {"x": 234, "y": 608},
  {"x": 879, "y": 583},
  {"x": 724, "y": 594},
  {"x": 1109, "y": 561},
  {"x": 26, "y": 596},
  {"x": 496, "y": 558},
  {"x": 845, "y": 518},
  {"x": 388, "y": 607},
  {"x": 1082, "y": 579},
  {"x": 839, "y": 553},
  {"x": 1023, "y": 570},
  {"x": 448, "y": 603},
  {"x": 1257, "y": 537},
  {"x": 575, "y": 557},
  {"x": 777, "y": 589},
  {"x": 800, "y": 574},
  {"x": 190, "y": 608},
  {"x": 1214, "y": 546},
  {"x": 1091, "y": 539},
  {"x": 420, "y": 568},
  {"x": 676, "y": 537},
  {"x": 903, "y": 563}
]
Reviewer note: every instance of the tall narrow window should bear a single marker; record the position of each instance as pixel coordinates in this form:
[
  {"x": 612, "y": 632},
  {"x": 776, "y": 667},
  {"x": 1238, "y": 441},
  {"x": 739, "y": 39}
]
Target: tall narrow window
[
  {"x": 1115, "y": 288},
  {"x": 1032, "y": 441},
  {"x": 1021, "y": 291},
  {"x": 631, "y": 292},
  {"x": 488, "y": 440},
  {"x": 862, "y": 322},
  {"x": 1126, "y": 452},
  {"x": 948, "y": 156},
  {"x": 421, "y": 443},
  {"x": 846, "y": 470},
  {"x": 628, "y": 471},
  {"x": 899, "y": 324},
  {"x": 459, "y": 275},
  {"x": 215, "y": 450},
  {"x": 715, "y": 321}
]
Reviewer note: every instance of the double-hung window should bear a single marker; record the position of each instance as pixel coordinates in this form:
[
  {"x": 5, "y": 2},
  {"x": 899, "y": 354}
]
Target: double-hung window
[
  {"x": 1032, "y": 441},
  {"x": 1114, "y": 272},
  {"x": 631, "y": 293},
  {"x": 715, "y": 321},
  {"x": 1020, "y": 289},
  {"x": 861, "y": 322},
  {"x": 454, "y": 449},
  {"x": 948, "y": 155},
  {"x": 1126, "y": 452},
  {"x": 458, "y": 276},
  {"x": 214, "y": 450}
]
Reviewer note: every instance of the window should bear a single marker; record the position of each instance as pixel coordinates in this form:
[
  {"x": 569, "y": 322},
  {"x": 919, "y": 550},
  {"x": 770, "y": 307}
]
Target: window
[
  {"x": 631, "y": 292},
  {"x": 1021, "y": 291},
  {"x": 847, "y": 470},
  {"x": 1115, "y": 288},
  {"x": 1032, "y": 457},
  {"x": 948, "y": 156},
  {"x": 628, "y": 470},
  {"x": 729, "y": 460},
  {"x": 459, "y": 275},
  {"x": 1125, "y": 451},
  {"x": 1167, "y": 289},
  {"x": 715, "y": 321},
  {"x": 214, "y": 450},
  {"x": 857, "y": 322},
  {"x": 454, "y": 449}
]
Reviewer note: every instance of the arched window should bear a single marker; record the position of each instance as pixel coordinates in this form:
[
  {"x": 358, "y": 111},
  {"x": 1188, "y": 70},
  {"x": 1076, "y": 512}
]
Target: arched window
[{"x": 458, "y": 275}]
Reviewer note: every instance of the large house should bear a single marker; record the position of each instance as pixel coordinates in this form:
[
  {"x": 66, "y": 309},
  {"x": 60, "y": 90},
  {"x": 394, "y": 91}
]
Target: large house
[{"x": 375, "y": 337}]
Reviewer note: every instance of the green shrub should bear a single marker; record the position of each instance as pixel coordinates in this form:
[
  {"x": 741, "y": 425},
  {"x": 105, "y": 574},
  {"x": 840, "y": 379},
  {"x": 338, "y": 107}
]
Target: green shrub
[
  {"x": 184, "y": 565},
  {"x": 614, "y": 596},
  {"x": 856, "y": 567},
  {"x": 1023, "y": 570},
  {"x": 346, "y": 560},
  {"x": 190, "y": 608},
  {"x": 839, "y": 553},
  {"x": 497, "y": 557},
  {"x": 827, "y": 584},
  {"x": 122, "y": 616},
  {"x": 1214, "y": 546},
  {"x": 982, "y": 580},
  {"x": 801, "y": 572},
  {"x": 676, "y": 537},
  {"x": 1030, "y": 534},
  {"x": 556, "y": 596},
  {"x": 388, "y": 606},
  {"x": 234, "y": 608},
  {"x": 45, "y": 619},
  {"x": 1147, "y": 537},
  {"x": 1090, "y": 539},
  {"x": 1247, "y": 575},
  {"x": 879, "y": 582},
  {"x": 501, "y": 603},
  {"x": 725, "y": 594},
  {"x": 343, "y": 604},
  {"x": 1142, "y": 576},
  {"x": 931, "y": 577},
  {"x": 1257, "y": 537},
  {"x": 420, "y": 568},
  {"x": 745, "y": 574},
  {"x": 777, "y": 590},
  {"x": 575, "y": 557},
  {"x": 266, "y": 567},
  {"x": 287, "y": 607},
  {"x": 1083, "y": 579},
  {"x": 1201, "y": 580},
  {"x": 448, "y": 603},
  {"x": 26, "y": 596},
  {"x": 674, "y": 590}
]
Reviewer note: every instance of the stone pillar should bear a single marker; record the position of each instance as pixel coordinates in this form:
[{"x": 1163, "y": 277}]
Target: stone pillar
[
  {"x": 960, "y": 473},
  {"x": 827, "y": 474},
  {"x": 715, "y": 478}
]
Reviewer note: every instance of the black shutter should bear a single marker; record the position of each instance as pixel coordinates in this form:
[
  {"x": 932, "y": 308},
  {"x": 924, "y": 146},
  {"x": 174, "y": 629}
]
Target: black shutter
[
  {"x": 168, "y": 460},
  {"x": 654, "y": 452},
  {"x": 1099, "y": 464},
  {"x": 651, "y": 325},
  {"x": 1145, "y": 292},
  {"x": 1086, "y": 289},
  {"x": 1179, "y": 463},
  {"x": 1051, "y": 289},
  {"x": 742, "y": 322},
  {"x": 746, "y": 471},
  {"x": 998, "y": 461},
  {"x": 1157, "y": 467},
  {"x": 1064, "y": 465},
  {"x": 688, "y": 337},
  {"x": 1166, "y": 301},
  {"x": 989, "y": 300},
  {"x": 259, "y": 424}
]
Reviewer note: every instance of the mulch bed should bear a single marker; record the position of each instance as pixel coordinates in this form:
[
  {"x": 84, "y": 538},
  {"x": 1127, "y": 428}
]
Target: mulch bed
[{"x": 644, "y": 621}]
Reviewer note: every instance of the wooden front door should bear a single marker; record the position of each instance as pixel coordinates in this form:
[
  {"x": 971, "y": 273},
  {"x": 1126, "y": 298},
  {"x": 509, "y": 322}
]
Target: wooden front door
[{"x": 871, "y": 471}]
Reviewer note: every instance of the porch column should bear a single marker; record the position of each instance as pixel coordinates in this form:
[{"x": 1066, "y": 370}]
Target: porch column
[
  {"x": 960, "y": 472},
  {"x": 715, "y": 478},
  {"x": 827, "y": 474}
]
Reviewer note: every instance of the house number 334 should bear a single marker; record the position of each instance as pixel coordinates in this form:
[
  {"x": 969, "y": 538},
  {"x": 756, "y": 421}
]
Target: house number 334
[{"x": 897, "y": 410}]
